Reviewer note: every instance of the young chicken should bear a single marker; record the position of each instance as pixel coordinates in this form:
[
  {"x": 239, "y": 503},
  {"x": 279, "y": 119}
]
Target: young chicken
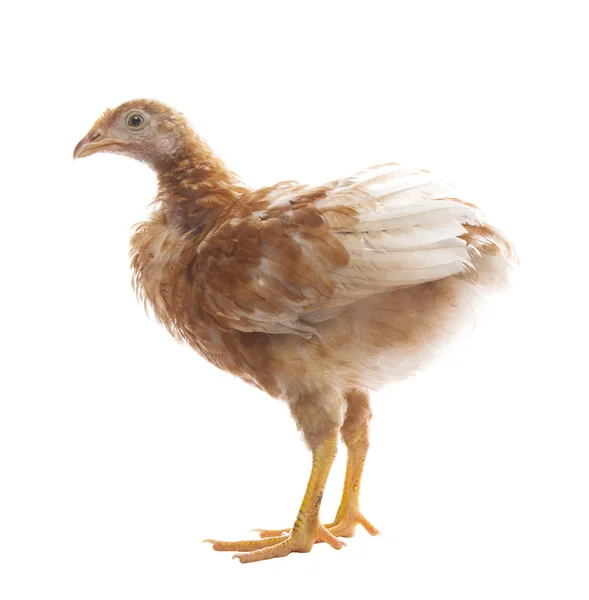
[{"x": 313, "y": 294}]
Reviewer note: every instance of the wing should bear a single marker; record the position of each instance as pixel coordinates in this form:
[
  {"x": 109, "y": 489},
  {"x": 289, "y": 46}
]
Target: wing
[{"x": 287, "y": 257}]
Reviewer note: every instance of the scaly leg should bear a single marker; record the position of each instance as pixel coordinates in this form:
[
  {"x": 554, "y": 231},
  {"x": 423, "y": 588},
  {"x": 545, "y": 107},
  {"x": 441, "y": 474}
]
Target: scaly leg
[
  {"x": 348, "y": 514},
  {"x": 306, "y": 528},
  {"x": 355, "y": 435}
]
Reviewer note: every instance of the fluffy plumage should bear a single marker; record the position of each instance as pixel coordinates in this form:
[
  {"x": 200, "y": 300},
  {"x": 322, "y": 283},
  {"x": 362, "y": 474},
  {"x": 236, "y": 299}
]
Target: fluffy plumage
[{"x": 313, "y": 294}]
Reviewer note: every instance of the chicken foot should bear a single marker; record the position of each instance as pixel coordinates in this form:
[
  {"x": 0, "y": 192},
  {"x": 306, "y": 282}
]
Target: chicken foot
[
  {"x": 355, "y": 433},
  {"x": 306, "y": 529}
]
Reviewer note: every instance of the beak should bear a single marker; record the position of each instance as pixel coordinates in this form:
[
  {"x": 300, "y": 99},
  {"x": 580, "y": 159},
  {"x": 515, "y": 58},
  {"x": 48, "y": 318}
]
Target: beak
[{"x": 93, "y": 142}]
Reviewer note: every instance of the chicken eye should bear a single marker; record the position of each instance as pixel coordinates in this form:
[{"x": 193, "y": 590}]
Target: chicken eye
[{"x": 135, "y": 121}]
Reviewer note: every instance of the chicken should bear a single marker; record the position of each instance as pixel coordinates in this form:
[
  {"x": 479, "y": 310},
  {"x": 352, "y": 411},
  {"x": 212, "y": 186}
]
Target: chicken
[{"x": 315, "y": 295}]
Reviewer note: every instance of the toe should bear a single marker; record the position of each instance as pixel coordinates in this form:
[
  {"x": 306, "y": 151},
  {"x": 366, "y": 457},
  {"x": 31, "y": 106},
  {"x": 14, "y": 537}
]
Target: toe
[
  {"x": 327, "y": 536},
  {"x": 267, "y": 533},
  {"x": 279, "y": 550},
  {"x": 371, "y": 529},
  {"x": 245, "y": 545},
  {"x": 346, "y": 527}
]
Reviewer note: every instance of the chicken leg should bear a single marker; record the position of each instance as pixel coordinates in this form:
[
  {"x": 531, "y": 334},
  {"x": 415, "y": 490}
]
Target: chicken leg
[
  {"x": 348, "y": 516},
  {"x": 306, "y": 528},
  {"x": 355, "y": 435}
]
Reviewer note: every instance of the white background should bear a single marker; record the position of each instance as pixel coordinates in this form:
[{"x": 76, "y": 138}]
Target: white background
[{"x": 120, "y": 450}]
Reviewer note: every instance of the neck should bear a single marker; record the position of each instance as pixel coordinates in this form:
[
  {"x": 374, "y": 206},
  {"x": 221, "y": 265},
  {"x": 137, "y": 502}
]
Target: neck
[{"x": 194, "y": 186}]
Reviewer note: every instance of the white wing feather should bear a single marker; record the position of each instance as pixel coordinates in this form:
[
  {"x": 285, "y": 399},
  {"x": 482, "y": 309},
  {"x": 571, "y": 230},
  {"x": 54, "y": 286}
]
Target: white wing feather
[{"x": 407, "y": 232}]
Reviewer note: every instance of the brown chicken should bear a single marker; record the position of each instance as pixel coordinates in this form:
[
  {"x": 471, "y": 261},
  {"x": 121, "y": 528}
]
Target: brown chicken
[{"x": 313, "y": 294}]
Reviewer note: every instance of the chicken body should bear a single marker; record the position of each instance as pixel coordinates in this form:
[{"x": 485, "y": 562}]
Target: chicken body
[{"x": 315, "y": 295}]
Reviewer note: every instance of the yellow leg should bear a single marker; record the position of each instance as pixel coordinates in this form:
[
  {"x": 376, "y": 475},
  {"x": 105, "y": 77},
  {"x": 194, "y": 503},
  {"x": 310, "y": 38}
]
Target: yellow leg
[
  {"x": 355, "y": 435},
  {"x": 348, "y": 514},
  {"x": 306, "y": 528}
]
